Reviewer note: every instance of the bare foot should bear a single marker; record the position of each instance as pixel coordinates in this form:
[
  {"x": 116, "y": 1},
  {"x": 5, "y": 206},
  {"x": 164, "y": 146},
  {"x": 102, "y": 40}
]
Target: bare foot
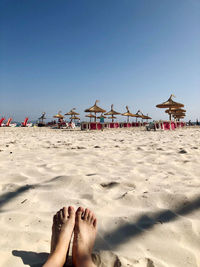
[
  {"x": 84, "y": 238},
  {"x": 62, "y": 229}
]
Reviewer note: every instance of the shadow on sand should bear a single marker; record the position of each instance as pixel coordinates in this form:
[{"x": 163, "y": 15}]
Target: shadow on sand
[
  {"x": 30, "y": 258},
  {"x": 113, "y": 239}
]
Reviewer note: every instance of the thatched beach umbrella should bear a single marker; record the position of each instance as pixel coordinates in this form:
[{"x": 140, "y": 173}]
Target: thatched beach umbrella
[
  {"x": 72, "y": 113},
  {"x": 112, "y": 112},
  {"x": 128, "y": 114},
  {"x": 95, "y": 109},
  {"x": 42, "y": 118},
  {"x": 74, "y": 118},
  {"x": 175, "y": 110},
  {"x": 113, "y": 117},
  {"x": 90, "y": 116},
  {"x": 146, "y": 117},
  {"x": 180, "y": 116},
  {"x": 101, "y": 116},
  {"x": 170, "y": 104},
  {"x": 58, "y": 116}
]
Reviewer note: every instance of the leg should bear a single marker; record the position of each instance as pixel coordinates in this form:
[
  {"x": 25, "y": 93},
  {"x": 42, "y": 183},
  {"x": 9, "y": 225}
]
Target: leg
[
  {"x": 62, "y": 229},
  {"x": 84, "y": 238}
]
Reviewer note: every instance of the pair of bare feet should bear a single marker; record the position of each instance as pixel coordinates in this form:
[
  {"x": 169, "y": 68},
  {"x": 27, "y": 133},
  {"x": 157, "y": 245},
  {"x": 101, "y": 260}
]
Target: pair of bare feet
[{"x": 66, "y": 222}]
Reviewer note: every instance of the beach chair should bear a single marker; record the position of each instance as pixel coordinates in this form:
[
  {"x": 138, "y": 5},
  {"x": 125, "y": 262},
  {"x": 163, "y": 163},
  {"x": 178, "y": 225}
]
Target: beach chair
[
  {"x": 93, "y": 125},
  {"x": 8, "y": 122},
  {"x": 151, "y": 126},
  {"x": 99, "y": 126},
  {"x": 111, "y": 125},
  {"x": 1, "y": 121},
  {"x": 116, "y": 125},
  {"x": 24, "y": 124}
]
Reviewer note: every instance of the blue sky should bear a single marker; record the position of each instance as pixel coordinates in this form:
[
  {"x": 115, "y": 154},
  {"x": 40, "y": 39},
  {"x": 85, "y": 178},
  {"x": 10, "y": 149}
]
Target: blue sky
[{"x": 56, "y": 55}]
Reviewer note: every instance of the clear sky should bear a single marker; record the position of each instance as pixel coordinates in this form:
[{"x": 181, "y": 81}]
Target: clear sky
[{"x": 56, "y": 55}]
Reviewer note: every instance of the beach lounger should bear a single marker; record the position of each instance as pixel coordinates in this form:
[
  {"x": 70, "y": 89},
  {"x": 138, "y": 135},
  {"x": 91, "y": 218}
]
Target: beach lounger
[
  {"x": 151, "y": 126},
  {"x": 24, "y": 124},
  {"x": 1, "y": 121},
  {"x": 8, "y": 122}
]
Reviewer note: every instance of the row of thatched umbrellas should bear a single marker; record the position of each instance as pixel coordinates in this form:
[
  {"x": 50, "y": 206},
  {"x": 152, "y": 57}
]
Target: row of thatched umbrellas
[
  {"x": 96, "y": 109},
  {"x": 173, "y": 108}
]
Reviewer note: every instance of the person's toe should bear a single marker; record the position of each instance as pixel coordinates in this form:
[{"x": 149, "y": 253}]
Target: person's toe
[
  {"x": 95, "y": 223},
  {"x": 70, "y": 211},
  {"x": 90, "y": 214},
  {"x": 86, "y": 214},
  {"x": 79, "y": 213},
  {"x": 60, "y": 215},
  {"x": 92, "y": 219}
]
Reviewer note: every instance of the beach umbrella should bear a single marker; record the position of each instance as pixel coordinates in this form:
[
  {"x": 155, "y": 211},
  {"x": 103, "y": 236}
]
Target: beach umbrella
[
  {"x": 72, "y": 113},
  {"x": 95, "y": 109},
  {"x": 113, "y": 117},
  {"x": 146, "y": 117},
  {"x": 75, "y": 118},
  {"x": 128, "y": 114},
  {"x": 139, "y": 115},
  {"x": 90, "y": 116},
  {"x": 174, "y": 110},
  {"x": 112, "y": 112},
  {"x": 42, "y": 118},
  {"x": 179, "y": 116},
  {"x": 170, "y": 104},
  {"x": 58, "y": 116},
  {"x": 102, "y": 116}
]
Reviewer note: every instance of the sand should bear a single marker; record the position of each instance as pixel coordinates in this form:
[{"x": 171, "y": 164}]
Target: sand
[{"x": 143, "y": 187}]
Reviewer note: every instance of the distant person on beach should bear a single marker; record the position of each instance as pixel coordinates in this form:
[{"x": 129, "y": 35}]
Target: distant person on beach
[
  {"x": 197, "y": 122},
  {"x": 83, "y": 224}
]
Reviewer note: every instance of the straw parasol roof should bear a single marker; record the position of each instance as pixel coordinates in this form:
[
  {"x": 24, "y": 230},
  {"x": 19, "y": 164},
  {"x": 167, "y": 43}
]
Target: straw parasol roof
[
  {"x": 179, "y": 116},
  {"x": 174, "y": 110},
  {"x": 113, "y": 117},
  {"x": 101, "y": 116},
  {"x": 128, "y": 114},
  {"x": 170, "y": 103},
  {"x": 58, "y": 116},
  {"x": 95, "y": 108},
  {"x": 146, "y": 117},
  {"x": 75, "y": 118},
  {"x": 72, "y": 112},
  {"x": 112, "y": 112},
  {"x": 90, "y": 116}
]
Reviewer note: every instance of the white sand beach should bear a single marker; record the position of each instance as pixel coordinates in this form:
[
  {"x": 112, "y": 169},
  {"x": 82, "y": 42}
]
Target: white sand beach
[{"x": 142, "y": 186}]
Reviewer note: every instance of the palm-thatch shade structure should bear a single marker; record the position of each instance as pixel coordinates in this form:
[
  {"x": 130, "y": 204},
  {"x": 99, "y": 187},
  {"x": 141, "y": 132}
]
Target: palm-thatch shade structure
[
  {"x": 128, "y": 114},
  {"x": 58, "y": 116},
  {"x": 42, "y": 118},
  {"x": 113, "y": 117},
  {"x": 101, "y": 116},
  {"x": 146, "y": 117},
  {"x": 72, "y": 113},
  {"x": 170, "y": 104},
  {"x": 90, "y": 116},
  {"x": 139, "y": 114},
  {"x": 95, "y": 109},
  {"x": 74, "y": 118},
  {"x": 174, "y": 110},
  {"x": 112, "y": 112}
]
